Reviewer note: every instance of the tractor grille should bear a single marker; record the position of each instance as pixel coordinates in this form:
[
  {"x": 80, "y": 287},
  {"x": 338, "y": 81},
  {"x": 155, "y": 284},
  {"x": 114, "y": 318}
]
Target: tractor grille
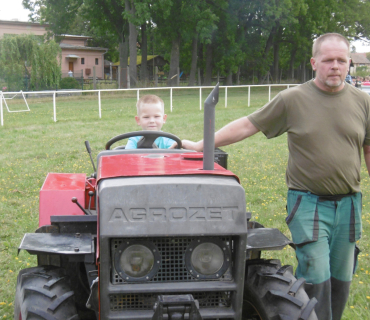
[
  {"x": 144, "y": 301},
  {"x": 172, "y": 251}
]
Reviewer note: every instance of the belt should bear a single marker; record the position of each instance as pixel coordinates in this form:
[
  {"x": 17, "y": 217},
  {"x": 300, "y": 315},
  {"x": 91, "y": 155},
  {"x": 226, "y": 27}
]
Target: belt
[{"x": 335, "y": 197}]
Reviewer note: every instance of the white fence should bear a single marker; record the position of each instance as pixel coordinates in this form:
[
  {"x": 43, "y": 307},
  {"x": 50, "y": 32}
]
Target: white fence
[{"x": 60, "y": 92}]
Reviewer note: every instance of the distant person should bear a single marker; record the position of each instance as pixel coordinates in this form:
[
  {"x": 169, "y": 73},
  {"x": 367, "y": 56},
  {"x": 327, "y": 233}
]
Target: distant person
[
  {"x": 327, "y": 122},
  {"x": 151, "y": 116}
]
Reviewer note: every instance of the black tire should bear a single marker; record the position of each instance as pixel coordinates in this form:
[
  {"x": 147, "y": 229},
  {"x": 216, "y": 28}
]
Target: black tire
[
  {"x": 43, "y": 293},
  {"x": 271, "y": 292}
]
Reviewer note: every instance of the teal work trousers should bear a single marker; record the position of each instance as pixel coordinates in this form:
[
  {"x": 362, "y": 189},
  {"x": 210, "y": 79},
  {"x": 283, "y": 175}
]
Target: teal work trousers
[{"x": 325, "y": 234}]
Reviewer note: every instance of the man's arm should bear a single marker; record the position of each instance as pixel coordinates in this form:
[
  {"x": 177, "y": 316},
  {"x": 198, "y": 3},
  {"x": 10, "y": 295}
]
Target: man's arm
[
  {"x": 367, "y": 157},
  {"x": 233, "y": 132}
]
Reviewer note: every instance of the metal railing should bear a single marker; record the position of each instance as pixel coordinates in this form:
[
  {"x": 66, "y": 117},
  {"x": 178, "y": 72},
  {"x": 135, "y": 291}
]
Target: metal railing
[{"x": 200, "y": 88}]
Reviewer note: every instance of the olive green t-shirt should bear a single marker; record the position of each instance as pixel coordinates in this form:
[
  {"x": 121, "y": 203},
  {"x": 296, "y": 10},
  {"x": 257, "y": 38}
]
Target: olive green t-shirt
[{"x": 326, "y": 132}]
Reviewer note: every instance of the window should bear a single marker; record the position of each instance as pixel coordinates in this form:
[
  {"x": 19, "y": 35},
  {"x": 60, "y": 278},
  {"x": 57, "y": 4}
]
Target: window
[
  {"x": 82, "y": 60},
  {"x": 96, "y": 61}
]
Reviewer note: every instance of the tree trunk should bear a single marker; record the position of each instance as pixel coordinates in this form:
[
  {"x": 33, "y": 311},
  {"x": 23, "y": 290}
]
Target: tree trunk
[
  {"x": 194, "y": 58},
  {"x": 133, "y": 45},
  {"x": 229, "y": 79},
  {"x": 123, "y": 57},
  {"x": 276, "y": 63},
  {"x": 144, "y": 53},
  {"x": 175, "y": 62},
  {"x": 208, "y": 75},
  {"x": 201, "y": 62},
  {"x": 292, "y": 59}
]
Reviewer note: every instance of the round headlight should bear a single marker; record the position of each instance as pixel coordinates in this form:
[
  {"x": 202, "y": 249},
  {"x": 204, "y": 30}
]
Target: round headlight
[
  {"x": 207, "y": 258},
  {"x": 137, "y": 260}
]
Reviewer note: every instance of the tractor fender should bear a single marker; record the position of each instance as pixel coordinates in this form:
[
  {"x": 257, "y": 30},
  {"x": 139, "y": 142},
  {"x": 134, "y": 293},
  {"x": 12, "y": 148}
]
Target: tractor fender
[
  {"x": 260, "y": 239},
  {"x": 58, "y": 243}
]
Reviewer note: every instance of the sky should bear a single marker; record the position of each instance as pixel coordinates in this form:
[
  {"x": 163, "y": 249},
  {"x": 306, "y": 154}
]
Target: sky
[{"x": 13, "y": 9}]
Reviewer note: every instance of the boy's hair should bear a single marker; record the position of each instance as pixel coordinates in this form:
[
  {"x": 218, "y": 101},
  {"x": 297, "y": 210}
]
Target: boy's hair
[
  {"x": 147, "y": 99},
  {"x": 317, "y": 44}
]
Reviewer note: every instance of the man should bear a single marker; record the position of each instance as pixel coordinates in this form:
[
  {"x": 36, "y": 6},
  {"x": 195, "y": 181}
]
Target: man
[{"x": 327, "y": 122}]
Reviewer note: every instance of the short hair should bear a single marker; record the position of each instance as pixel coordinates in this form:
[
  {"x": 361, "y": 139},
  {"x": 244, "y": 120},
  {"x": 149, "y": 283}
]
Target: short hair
[
  {"x": 147, "y": 99},
  {"x": 317, "y": 44}
]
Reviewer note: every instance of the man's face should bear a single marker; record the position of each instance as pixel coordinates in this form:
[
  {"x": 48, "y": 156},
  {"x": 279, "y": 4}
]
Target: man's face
[
  {"x": 331, "y": 64},
  {"x": 151, "y": 117}
]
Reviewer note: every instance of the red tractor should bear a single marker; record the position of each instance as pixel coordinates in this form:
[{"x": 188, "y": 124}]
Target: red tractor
[{"x": 155, "y": 234}]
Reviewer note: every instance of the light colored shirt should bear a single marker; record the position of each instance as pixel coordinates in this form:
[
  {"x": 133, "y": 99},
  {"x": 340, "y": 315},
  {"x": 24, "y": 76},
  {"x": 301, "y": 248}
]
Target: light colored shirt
[
  {"x": 161, "y": 142},
  {"x": 326, "y": 132}
]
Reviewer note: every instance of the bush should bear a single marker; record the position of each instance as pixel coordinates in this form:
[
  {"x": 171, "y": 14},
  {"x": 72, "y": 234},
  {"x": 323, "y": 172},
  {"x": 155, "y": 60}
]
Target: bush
[{"x": 69, "y": 83}]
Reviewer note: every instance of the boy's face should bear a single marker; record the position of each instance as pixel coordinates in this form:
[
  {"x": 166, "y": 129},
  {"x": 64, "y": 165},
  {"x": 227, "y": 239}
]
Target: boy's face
[{"x": 151, "y": 117}]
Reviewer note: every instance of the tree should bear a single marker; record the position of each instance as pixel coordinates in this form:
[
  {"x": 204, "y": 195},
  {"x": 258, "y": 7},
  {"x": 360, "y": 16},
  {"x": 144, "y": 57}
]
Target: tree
[
  {"x": 29, "y": 57},
  {"x": 178, "y": 21}
]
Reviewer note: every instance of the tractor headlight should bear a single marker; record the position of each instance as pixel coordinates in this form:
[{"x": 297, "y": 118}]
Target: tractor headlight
[
  {"x": 207, "y": 258},
  {"x": 137, "y": 260}
]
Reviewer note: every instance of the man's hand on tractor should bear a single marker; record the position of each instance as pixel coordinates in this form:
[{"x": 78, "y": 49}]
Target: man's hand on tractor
[{"x": 191, "y": 145}]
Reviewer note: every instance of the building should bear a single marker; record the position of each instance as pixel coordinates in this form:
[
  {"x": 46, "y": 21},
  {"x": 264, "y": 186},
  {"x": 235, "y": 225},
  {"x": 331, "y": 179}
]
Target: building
[
  {"x": 77, "y": 57},
  {"x": 80, "y": 59},
  {"x": 18, "y": 27},
  {"x": 359, "y": 60}
]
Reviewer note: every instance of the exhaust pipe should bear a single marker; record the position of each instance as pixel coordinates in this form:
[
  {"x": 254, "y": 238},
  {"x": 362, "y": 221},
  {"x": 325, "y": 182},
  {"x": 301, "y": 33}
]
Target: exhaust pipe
[{"x": 209, "y": 129}]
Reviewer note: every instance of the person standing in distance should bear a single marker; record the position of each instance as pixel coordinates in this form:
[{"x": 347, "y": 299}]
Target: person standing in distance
[{"x": 327, "y": 123}]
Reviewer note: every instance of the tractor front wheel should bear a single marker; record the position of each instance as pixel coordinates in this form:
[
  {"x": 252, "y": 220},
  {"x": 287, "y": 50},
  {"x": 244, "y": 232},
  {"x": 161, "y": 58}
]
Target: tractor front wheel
[
  {"x": 272, "y": 292},
  {"x": 43, "y": 293}
]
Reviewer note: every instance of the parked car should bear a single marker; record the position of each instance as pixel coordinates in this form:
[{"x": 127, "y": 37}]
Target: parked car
[{"x": 349, "y": 79}]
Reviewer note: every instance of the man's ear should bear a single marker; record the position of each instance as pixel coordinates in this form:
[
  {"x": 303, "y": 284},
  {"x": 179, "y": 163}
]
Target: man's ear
[
  {"x": 164, "y": 118},
  {"x": 313, "y": 63},
  {"x": 137, "y": 118}
]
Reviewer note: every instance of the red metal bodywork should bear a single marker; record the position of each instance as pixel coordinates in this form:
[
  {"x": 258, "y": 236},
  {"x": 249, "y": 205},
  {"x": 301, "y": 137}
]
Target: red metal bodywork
[
  {"x": 59, "y": 188},
  {"x": 56, "y": 194},
  {"x": 156, "y": 164}
]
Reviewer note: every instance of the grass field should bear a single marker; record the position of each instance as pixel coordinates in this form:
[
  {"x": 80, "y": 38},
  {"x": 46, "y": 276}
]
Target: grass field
[{"x": 32, "y": 145}]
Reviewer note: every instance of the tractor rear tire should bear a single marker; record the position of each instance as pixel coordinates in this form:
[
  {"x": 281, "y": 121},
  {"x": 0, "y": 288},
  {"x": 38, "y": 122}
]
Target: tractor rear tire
[
  {"x": 271, "y": 292},
  {"x": 43, "y": 293}
]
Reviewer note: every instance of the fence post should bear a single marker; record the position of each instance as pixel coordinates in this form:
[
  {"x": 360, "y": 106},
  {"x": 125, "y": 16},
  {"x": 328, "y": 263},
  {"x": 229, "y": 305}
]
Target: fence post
[
  {"x": 1, "y": 108},
  {"x": 171, "y": 98},
  {"x": 200, "y": 98},
  {"x": 99, "y": 104},
  {"x": 137, "y": 94},
  {"x": 94, "y": 77},
  {"x": 55, "y": 107},
  {"x": 269, "y": 92},
  {"x": 249, "y": 96},
  {"x": 225, "y": 97}
]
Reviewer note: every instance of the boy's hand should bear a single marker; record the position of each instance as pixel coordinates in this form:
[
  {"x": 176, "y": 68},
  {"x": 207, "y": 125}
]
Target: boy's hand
[{"x": 191, "y": 145}]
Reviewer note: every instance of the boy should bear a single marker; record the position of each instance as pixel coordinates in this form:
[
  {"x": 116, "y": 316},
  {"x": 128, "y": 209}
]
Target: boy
[{"x": 151, "y": 116}]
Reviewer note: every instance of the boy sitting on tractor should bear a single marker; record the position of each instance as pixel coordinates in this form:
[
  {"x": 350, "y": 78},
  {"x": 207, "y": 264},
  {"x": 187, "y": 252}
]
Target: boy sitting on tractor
[{"x": 151, "y": 116}]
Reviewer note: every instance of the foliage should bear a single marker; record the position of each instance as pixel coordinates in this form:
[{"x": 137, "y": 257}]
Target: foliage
[
  {"x": 69, "y": 83},
  {"x": 253, "y": 36},
  {"x": 361, "y": 72},
  {"x": 28, "y": 57}
]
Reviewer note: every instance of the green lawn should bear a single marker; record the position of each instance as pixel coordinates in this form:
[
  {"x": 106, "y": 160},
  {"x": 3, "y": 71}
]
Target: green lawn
[{"x": 32, "y": 145}]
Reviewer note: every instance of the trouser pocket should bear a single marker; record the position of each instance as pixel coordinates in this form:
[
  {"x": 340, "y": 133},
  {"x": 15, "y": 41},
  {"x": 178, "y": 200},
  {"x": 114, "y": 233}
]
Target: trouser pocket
[
  {"x": 302, "y": 219},
  {"x": 356, "y": 221}
]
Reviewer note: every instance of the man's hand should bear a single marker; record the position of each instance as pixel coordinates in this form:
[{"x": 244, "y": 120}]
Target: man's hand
[
  {"x": 191, "y": 145},
  {"x": 174, "y": 145}
]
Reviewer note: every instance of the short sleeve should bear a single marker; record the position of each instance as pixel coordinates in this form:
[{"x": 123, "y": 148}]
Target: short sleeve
[
  {"x": 271, "y": 119},
  {"x": 132, "y": 143}
]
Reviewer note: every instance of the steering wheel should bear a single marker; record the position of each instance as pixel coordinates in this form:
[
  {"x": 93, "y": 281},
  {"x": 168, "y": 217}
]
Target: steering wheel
[{"x": 147, "y": 140}]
